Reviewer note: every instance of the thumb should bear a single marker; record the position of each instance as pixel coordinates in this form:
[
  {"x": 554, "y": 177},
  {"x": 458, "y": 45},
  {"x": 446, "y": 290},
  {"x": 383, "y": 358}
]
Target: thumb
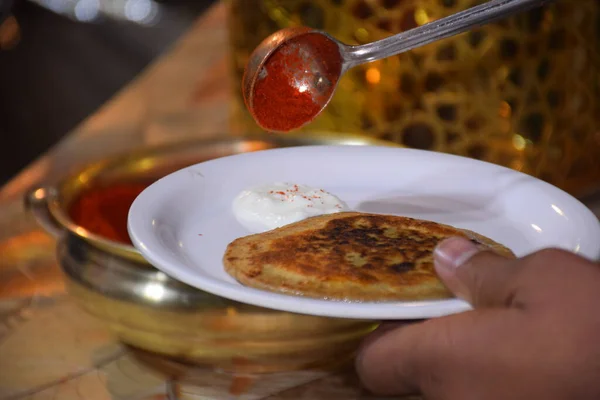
[
  {"x": 481, "y": 277},
  {"x": 428, "y": 357}
]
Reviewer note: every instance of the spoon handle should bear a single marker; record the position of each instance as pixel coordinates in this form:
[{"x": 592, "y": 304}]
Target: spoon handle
[{"x": 442, "y": 28}]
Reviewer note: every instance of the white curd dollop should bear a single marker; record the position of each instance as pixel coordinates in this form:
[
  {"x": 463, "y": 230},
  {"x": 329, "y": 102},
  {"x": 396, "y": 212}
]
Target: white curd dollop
[{"x": 271, "y": 206}]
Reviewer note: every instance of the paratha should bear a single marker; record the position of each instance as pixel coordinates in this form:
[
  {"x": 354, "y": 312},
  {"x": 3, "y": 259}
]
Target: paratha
[{"x": 348, "y": 256}]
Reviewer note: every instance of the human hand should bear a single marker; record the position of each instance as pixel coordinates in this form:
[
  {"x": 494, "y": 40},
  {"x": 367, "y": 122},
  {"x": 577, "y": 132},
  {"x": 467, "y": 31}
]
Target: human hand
[{"x": 533, "y": 334}]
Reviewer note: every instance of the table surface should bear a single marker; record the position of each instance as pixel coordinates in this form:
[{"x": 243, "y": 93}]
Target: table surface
[{"x": 51, "y": 349}]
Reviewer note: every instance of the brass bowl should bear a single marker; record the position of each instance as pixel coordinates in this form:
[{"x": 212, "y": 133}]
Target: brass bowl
[{"x": 150, "y": 311}]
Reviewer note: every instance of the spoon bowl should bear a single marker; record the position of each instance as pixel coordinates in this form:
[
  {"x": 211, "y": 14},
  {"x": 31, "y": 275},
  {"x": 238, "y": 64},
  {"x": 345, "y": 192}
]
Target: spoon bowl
[{"x": 299, "y": 65}]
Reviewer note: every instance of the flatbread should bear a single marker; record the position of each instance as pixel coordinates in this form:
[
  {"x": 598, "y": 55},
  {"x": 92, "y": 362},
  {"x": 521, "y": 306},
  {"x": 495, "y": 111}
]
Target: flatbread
[{"x": 348, "y": 256}]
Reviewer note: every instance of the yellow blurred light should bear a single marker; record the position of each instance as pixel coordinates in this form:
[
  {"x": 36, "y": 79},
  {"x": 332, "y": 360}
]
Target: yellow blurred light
[
  {"x": 39, "y": 194},
  {"x": 421, "y": 16},
  {"x": 362, "y": 34},
  {"x": 84, "y": 178},
  {"x": 276, "y": 14},
  {"x": 519, "y": 142},
  {"x": 146, "y": 164},
  {"x": 373, "y": 75}
]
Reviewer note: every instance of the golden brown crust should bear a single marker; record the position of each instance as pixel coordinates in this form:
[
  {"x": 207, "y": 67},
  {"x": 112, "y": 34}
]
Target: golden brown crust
[{"x": 347, "y": 256}]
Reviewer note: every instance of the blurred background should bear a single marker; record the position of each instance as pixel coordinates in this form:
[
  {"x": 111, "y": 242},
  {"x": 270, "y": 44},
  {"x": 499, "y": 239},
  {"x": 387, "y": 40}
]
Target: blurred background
[
  {"x": 62, "y": 59},
  {"x": 523, "y": 92}
]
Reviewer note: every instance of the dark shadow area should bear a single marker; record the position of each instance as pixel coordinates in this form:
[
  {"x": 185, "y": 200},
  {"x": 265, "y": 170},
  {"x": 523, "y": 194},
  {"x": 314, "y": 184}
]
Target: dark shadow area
[{"x": 61, "y": 71}]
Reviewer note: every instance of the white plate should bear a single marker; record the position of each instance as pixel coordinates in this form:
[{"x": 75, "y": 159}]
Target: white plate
[{"x": 182, "y": 223}]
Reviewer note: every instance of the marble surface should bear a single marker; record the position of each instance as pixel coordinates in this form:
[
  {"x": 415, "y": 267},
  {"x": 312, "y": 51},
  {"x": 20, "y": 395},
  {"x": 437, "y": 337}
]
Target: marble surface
[{"x": 50, "y": 348}]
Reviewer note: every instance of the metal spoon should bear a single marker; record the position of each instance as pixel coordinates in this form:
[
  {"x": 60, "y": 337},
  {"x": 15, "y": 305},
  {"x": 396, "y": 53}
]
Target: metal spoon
[{"x": 302, "y": 66}]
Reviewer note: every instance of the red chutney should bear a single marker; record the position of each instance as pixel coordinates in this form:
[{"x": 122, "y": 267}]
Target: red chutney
[
  {"x": 103, "y": 210},
  {"x": 280, "y": 99}
]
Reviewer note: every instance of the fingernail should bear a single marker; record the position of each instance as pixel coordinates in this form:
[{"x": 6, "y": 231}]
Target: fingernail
[{"x": 454, "y": 252}]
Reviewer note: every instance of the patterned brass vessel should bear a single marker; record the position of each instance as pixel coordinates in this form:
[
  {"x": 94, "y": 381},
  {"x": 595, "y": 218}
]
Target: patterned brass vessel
[{"x": 523, "y": 92}]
